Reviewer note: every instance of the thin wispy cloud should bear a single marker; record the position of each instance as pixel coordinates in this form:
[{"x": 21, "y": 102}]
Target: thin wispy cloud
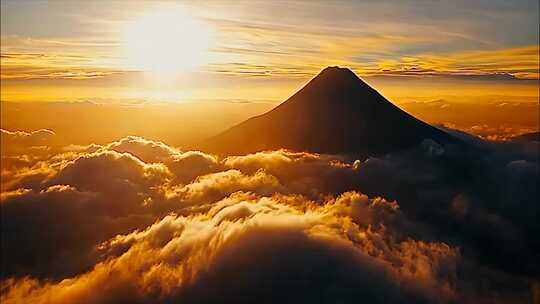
[{"x": 296, "y": 39}]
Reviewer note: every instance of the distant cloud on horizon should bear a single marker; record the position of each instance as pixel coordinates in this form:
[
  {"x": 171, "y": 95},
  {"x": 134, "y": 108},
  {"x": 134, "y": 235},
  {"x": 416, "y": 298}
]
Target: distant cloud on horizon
[{"x": 371, "y": 37}]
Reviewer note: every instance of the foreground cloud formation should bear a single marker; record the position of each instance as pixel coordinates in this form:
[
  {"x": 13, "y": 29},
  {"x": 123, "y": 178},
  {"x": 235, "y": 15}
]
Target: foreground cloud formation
[
  {"x": 246, "y": 239},
  {"x": 138, "y": 221}
]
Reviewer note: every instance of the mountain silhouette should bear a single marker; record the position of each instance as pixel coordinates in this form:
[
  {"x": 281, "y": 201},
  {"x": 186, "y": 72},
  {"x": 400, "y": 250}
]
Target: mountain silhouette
[
  {"x": 335, "y": 112},
  {"x": 528, "y": 137}
]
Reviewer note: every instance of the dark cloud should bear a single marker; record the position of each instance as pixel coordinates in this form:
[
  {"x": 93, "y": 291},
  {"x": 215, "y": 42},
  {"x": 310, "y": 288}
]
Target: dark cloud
[
  {"x": 483, "y": 199},
  {"x": 138, "y": 221},
  {"x": 51, "y": 233}
]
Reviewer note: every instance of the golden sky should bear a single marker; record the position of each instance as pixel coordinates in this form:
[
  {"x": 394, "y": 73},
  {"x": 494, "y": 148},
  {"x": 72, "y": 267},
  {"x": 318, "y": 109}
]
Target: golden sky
[{"x": 99, "y": 49}]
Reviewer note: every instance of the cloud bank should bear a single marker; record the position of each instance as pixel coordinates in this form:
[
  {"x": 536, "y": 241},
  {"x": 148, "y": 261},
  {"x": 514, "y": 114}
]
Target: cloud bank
[{"x": 139, "y": 221}]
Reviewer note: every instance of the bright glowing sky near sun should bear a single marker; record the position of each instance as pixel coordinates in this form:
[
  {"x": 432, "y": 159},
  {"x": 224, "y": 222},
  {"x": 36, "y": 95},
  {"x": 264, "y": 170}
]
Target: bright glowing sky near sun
[{"x": 480, "y": 53}]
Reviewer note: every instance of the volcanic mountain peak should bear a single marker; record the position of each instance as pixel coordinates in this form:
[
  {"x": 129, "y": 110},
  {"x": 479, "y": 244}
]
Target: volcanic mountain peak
[
  {"x": 335, "y": 72},
  {"x": 336, "y": 79},
  {"x": 335, "y": 76},
  {"x": 335, "y": 112},
  {"x": 332, "y": 89}
]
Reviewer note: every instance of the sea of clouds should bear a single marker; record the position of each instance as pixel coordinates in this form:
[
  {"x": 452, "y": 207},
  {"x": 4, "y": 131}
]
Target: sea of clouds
[{"x": 138, "y": 221}]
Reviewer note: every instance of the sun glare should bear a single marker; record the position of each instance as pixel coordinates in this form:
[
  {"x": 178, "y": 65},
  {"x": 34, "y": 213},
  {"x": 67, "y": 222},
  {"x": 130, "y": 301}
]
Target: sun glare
[{"x": 166, "y": 43}]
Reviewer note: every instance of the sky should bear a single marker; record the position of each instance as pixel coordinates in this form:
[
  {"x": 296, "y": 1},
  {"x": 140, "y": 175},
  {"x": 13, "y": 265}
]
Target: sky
[{"x": 469, "y": 53}]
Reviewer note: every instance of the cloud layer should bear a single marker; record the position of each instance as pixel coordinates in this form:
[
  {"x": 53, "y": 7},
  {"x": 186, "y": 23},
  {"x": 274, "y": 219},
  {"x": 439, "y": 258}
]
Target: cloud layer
[
  {"x": 374, "y": 37},
  {"x": 139, "y": 221}
]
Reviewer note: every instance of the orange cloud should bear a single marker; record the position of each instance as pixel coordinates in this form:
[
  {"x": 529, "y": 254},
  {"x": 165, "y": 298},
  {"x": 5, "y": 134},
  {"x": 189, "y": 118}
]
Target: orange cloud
[
  {"x": 296, "y": 54},
  {"x": 521, "y": 63},
  {"x": 25, "y": 66},
  {"x": 136, "y": 220},
  {"x": 178, "y": 255}
]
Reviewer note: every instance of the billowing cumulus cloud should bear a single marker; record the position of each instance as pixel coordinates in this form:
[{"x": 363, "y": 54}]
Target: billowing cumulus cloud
[
  {"x": 18, "y": 139},
  {"x": 139, "y": 221},
  {"x": 22, "y": 150},
  {"x": 324, "y": 247},
  {"x": 186, "y": 166},
  {"x": 22, "y": 147}
]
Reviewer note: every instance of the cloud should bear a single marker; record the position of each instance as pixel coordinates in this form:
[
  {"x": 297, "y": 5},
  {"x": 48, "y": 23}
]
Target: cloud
[
  {"x": 307, "y": 173},
  {"x": 20, "y": 149},
  {"x": 425, "y": 47},
  {"x": 27, "y": 66},
  {"x": 211, "y": 187},
  {"x": 138, "y": 221},
  {"x": 519, "y": 62},
  {"x": 505, "y": 117},
  {"x": 69, "y": 209},
  {"x": 338, "y": 259},
  {"x": 108, "y": 169},
  {"x": 17, "y": 142},
  {"x": 185, "y": 165}
]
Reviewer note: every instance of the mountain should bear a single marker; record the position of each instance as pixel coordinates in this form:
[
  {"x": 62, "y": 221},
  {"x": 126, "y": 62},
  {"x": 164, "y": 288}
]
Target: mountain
[
  {"x": 528, "y": 137},
  {"x": 335, "y": 112}
]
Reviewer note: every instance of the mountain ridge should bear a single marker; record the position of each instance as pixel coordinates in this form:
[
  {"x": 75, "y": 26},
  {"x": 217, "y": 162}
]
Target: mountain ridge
[{"x": 335, "y": 112}]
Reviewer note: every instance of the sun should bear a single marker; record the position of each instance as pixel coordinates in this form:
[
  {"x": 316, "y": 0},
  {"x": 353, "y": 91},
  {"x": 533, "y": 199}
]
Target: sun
[{"x": 166, "y": 42}]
